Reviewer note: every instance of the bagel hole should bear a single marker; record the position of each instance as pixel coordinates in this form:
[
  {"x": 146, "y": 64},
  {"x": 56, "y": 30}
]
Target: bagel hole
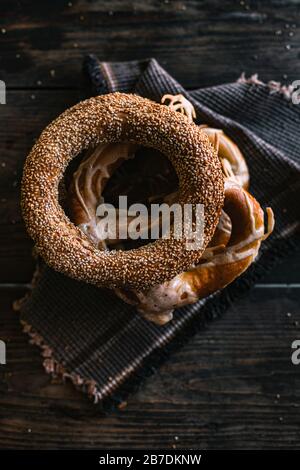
[
  {"x": 148, "y": 175},
  {"x": 146, "y": 178}
]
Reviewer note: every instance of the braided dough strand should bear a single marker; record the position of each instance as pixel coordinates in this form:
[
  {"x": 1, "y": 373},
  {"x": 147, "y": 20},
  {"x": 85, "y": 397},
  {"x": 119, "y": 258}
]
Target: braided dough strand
[{"x": 238, "y": 245}]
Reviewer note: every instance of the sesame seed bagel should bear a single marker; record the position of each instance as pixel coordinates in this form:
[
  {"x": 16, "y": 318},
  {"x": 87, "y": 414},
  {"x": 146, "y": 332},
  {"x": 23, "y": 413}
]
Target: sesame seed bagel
[{"x": 118, "y": 117}]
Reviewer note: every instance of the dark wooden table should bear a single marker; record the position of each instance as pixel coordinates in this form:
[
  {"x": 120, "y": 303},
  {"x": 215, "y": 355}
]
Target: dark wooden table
[{"x": 233, "y": 385}]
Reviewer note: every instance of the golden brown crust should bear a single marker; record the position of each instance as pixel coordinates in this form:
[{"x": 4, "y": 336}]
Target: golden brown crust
[
  {"x": 229, "y": 154},
  {"x": 118, "y": 118}
]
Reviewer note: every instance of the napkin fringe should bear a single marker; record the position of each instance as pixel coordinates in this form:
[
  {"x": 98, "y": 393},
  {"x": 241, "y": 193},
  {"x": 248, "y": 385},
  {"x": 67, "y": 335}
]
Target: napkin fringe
[
  {"x": 50, "y": 364},
  {"x": 275, "y": 87},
  {"x": 101, "y": 75},
  {"x": 56, "y": 369}
]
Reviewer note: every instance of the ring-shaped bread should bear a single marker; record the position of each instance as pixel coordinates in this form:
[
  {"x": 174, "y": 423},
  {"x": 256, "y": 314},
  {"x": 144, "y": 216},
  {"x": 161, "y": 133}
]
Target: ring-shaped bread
[{"x": 118, "y": 117}]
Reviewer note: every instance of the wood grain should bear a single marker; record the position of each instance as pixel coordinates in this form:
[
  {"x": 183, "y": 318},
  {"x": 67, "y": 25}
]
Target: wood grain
[
  {"x": 25, "y": 115},
  {"x": 232, "y": 386},
  {"x": 200, "y": 42}
]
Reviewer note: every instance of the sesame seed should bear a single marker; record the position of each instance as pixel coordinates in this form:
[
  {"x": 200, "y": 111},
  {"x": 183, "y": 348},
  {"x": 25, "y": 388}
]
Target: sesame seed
[{"x": 114, "y": 117}]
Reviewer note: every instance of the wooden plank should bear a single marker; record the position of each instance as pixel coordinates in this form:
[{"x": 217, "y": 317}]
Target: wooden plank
[
  {"x": 43, "y": 44},
  {"x": 233, "y": 386},
  {"x": 286, "y": 272},
  {"x": 24, "y": 116}
]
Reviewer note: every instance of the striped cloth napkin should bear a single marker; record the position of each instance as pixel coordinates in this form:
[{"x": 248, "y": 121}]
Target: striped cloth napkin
[{"x": 102, "y": 344}]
